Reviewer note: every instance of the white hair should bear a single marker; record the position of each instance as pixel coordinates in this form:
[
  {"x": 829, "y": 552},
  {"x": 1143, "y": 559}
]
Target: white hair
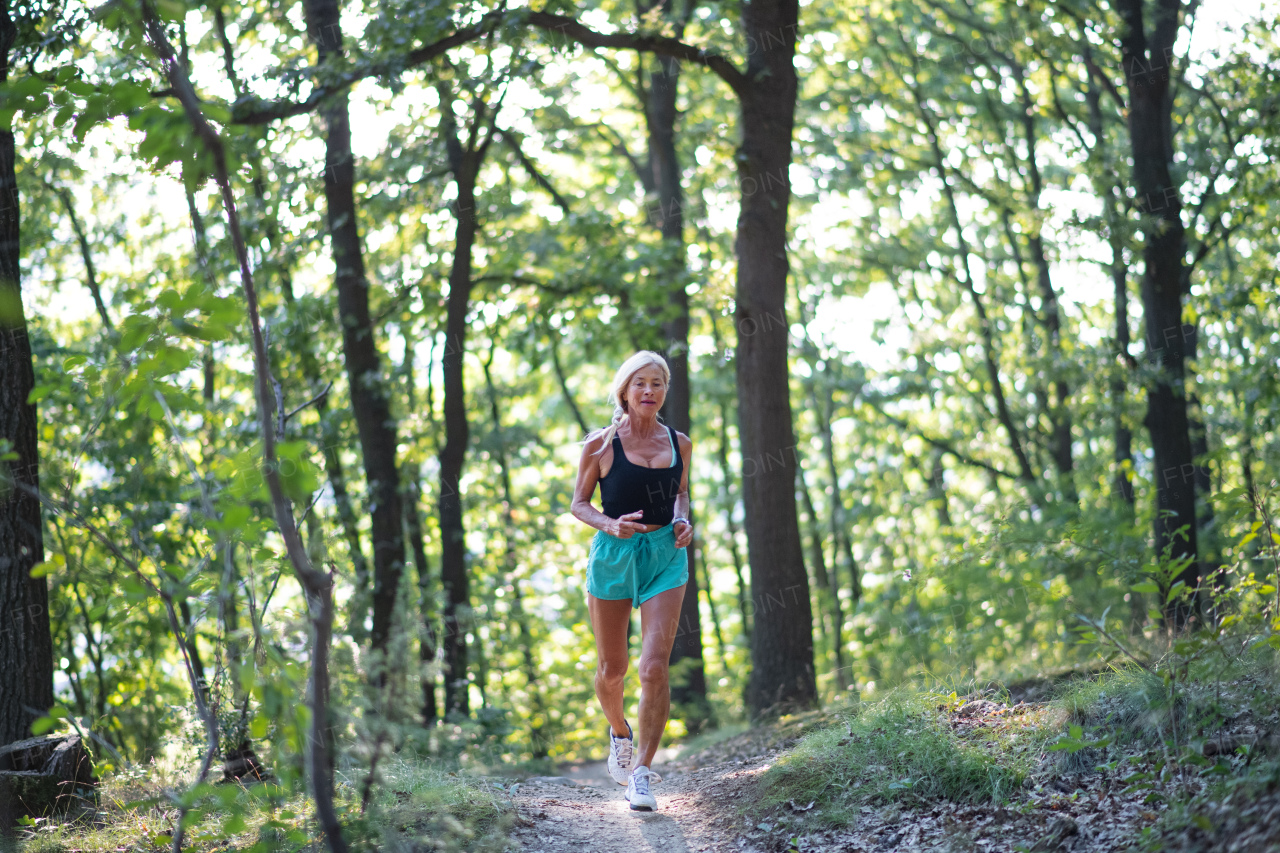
[{"x": 621, "y": 379}]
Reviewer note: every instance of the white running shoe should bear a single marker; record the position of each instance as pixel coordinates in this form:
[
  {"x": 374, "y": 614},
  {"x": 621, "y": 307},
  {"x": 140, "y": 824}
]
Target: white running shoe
[
  {"x": 622, "y": 751},
  {"x": 638, "y": 793}
]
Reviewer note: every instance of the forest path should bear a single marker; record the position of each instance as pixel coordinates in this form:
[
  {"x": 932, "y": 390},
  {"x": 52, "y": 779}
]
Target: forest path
[{"x": 586, "y": 811}]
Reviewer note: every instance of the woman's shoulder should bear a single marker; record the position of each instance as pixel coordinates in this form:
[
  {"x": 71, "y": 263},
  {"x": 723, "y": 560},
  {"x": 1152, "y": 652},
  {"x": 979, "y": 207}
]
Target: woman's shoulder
[
  {"x": 685, "y": 442},
  {"x": 594, "y": 440}
]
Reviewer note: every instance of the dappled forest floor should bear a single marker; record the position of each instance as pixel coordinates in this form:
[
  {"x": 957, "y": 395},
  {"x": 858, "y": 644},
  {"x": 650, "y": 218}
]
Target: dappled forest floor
[{"x": 978, "y": 773}]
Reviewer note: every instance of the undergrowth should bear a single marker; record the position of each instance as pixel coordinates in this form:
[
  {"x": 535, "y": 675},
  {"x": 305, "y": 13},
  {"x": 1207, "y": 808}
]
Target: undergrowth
[
  {"x": 419, "y": 805},
  {"x": 901, "y": 748}
]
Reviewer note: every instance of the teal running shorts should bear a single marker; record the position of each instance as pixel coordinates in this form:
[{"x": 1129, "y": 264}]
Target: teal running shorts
[{"x": 637, "y": 568}]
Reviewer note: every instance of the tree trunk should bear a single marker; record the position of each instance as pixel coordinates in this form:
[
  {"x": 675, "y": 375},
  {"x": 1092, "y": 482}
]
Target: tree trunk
[
  {"x": 1148, "y": 69},
  {"x": 1123, "y": 452},
  {"x": 689, "y": 680},
  {"x": 464, "y": 162},
  {"x": 331, "y": 441},
  {"x": 1050, "y": 314},
  {"x": 841, "y": 546},
  {"x": 1122, "y": 442},
  {"x": 782, "y": 639},
  {"x": 537, "y": 727},
  {"x": 300, "y": 342},
  {"x": 453, "y": 551},
  {"x": 728, "y": 493},
  {"x": 829, "y": 621},
  {"x": 369, "y": 397},
  {"x": 412, "y": 474},
  {"x": 1211, "y": 564},
  {"x": 26, "y": 647},
  {"x": 716, "y": 630},
  {"x": 1122, "y": 482}
]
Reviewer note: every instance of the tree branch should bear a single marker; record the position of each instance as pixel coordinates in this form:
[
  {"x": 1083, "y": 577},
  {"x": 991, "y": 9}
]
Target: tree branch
[
  {"x": 662, "y": 45},
  {"x": 316, "y": 399},
  {"x": 939, "y": 443},
  {"x": 541, "y": 180},
  {"x": 90, "y": 272},
  {"x": 564, "y": 382},
  {"x": 266, "y": 113}
]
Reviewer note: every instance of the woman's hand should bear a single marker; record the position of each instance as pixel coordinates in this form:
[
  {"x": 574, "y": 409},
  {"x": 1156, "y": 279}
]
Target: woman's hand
[
  {"x": 684, "y": 534},
  {"x": 625, "y": 526}
]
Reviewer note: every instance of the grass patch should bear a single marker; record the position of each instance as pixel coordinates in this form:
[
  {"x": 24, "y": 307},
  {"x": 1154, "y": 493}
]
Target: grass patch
[
  {"x": 903, "y": 748},
  {"x": 423, "y": 806}
]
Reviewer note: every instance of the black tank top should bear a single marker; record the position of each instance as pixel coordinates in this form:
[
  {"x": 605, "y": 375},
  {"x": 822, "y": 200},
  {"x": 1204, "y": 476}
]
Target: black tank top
[{"x": 629, "y": 487}]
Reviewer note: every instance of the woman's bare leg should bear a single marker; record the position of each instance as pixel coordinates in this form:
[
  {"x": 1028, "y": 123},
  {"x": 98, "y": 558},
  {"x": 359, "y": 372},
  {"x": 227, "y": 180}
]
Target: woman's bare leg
[
  {"x": 609, "y": 623},
  {"x": 659, "y": 621}
]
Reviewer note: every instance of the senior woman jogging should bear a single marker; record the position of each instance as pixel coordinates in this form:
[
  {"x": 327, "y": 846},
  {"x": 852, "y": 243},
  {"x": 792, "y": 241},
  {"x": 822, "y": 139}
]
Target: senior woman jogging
[{"x": 637, "y": 559}]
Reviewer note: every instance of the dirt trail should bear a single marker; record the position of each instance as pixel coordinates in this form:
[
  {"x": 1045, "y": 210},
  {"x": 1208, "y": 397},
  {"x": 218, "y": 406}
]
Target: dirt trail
[{"x": 585, "y": 811}]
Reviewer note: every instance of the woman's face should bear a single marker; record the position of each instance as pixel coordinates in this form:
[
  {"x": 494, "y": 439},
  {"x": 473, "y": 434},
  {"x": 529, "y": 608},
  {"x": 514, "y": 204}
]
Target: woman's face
[{"x": 646, "y": 390}]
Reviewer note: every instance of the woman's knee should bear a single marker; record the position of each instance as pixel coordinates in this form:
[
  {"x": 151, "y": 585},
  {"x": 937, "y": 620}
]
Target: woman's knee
[
  {"x": 654, "y": 671},
  {"x": 611, "y": 672}
]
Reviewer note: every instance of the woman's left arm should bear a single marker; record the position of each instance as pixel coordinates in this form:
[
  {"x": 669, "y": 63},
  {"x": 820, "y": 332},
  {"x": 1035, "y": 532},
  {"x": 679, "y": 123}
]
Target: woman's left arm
[{"x": 684, "y": 531}]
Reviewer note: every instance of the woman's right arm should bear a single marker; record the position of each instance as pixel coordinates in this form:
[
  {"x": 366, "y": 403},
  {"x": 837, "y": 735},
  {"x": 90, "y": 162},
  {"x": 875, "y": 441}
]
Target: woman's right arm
[{"x": 588, "y": 476}]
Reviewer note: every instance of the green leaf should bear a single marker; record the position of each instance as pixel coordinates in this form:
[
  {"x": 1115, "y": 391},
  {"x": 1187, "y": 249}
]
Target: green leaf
[
  {"x": 42, "y": 725},
  {"x": 40, "y": 570},
  {"x": 38, "y": 393},
  {"x": 133, "y": 589},
  {"x": 1147, "y": 587},
  {"x": 297, "y": 474}
]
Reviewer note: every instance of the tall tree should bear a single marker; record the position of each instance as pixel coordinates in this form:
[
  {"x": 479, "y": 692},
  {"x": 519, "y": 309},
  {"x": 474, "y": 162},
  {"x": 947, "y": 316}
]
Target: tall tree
[
  {"x": 369, "y": 396},
  {"x": 666, "y": 185},
  {"x": 1147, "y": 57},
  {"x": 465, "y": 154},
  {"x": 26, "y": 648},
  {"x": 782, "y": 635}
]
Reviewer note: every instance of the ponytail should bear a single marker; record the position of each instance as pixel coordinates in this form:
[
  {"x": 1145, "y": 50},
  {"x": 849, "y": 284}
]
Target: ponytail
[{"x": 619, "y": 415}]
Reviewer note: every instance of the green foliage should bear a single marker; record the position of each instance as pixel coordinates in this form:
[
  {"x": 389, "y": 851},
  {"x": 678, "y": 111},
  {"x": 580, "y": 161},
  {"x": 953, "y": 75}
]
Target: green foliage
[{"x": 941, "y": 560}]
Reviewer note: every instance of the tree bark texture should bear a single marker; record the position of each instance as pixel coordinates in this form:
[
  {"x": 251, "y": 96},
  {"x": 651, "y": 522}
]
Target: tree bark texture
[
  {"x": 782, "y": 637},
  {"x": 1148, "y": 71},
  {"x": 369, "y": 397},
  {"x": 26, "y": 649}
]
